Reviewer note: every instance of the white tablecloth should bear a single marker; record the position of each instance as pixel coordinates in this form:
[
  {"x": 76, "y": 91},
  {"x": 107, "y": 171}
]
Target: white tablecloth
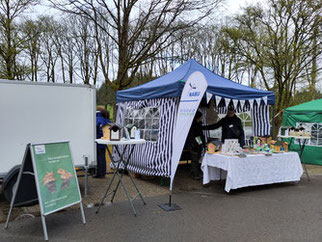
[{"x": 252, "y": 170}]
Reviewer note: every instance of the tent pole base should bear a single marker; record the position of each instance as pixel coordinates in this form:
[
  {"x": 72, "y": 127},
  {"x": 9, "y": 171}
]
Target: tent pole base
[{"x": 169, "y": 206}]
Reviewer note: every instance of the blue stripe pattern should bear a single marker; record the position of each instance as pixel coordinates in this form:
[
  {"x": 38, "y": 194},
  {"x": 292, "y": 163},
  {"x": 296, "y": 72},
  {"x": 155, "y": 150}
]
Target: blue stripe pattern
[{"x": 152, "y": 158}]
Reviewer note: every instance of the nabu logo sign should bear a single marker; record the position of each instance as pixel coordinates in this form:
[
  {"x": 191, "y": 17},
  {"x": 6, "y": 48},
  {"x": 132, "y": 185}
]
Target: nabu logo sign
[{"x": 192, "y": 92}]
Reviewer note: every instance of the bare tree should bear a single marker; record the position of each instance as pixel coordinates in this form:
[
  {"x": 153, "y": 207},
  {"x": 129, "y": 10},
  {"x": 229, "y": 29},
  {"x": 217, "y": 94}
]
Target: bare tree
[
  {"x": 70, "y": 55},
  {"x": 135, "y": 27},
  {"x": 31, "y": 32},
  {"x": 86, "y": 49},
  {"x": 10, "y": 43},
  {"x": 281, "y": 42},
  {"x": 59, "y": 36},
  {"x": 49, "y": 55}
]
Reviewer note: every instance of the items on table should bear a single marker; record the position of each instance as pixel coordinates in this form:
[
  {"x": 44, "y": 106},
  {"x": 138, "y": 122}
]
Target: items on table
[
  {"x": 113, "y": 132},
  {"x": 255, "y": 145},
  {"x": 279, "y": 146},
  {"x": 231, "y": 147},
  {"x": 299, "y": 132},
  {"x": 211, "y": 148},
  {"x": 292, "y": 131}
]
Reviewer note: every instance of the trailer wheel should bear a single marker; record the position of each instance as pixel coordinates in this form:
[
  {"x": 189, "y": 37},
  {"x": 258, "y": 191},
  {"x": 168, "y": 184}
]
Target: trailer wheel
[
  {"x": 27, "y": 189},
  {"x": 10, "y": 189},
  {"x": 10, "y": 183}
]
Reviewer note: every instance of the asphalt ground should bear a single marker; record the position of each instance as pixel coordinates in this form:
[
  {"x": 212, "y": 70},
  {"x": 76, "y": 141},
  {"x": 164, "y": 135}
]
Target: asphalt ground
[
  {"x": 279, "y": 212},
  {"x": 148, "y": 186}
]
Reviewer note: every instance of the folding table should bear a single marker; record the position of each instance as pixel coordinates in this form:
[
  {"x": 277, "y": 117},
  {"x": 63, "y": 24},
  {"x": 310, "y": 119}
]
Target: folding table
[
  {"x": 302, "y": 140},
  {"x": 117, "y": 165}
]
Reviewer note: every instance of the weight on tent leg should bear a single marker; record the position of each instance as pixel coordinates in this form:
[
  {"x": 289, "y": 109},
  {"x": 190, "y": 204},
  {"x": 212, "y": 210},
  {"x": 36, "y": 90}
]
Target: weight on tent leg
[{"x": 169, "y": 206}]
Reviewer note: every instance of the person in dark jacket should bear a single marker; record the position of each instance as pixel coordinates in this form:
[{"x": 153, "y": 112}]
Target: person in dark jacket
[
  {"x": 194, "y": 144},
  {"x": 232, "y": 127},
  {"x": 102, "y": 118}
]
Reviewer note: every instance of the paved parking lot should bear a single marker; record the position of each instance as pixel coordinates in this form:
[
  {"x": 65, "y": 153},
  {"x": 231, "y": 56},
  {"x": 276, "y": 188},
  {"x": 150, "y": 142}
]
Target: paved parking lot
[{"x": 279, "y": 212}]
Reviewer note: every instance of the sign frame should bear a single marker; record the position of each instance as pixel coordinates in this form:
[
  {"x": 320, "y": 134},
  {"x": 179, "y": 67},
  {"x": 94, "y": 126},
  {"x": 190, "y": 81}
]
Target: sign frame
[{"x": 29, "y": 149}]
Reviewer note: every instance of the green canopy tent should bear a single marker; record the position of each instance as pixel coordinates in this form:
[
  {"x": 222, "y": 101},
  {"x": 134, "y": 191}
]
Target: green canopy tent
[{"x": 309, "y": 116}]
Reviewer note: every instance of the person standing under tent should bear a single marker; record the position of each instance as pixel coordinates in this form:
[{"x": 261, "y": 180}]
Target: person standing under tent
[
  {"x": 102, "y": 118},
  {"x": 194, "y": 145},
  {"x": 232, "y": 127}
]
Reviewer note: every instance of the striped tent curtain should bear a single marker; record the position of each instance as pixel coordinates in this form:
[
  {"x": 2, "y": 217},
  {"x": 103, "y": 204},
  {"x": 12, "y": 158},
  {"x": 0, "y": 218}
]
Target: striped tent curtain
[
  {"x": 152, "y": 158},
  {"x": 206, "y": 133},
  {"x": 222, "y": 109},
  {"x": 259, "y": 114},
  {"x": 260, "y": 120}
]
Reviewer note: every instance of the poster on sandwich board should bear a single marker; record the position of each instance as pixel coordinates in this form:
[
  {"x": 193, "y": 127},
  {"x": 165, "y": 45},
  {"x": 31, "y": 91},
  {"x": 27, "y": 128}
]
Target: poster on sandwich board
[{"x": 56, "y": 176}]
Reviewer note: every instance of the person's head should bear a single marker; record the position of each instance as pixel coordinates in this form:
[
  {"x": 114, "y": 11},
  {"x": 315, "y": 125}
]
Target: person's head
[
  {"x": 105, "y": 113},
  {"x": 198, "y": 117},
  {"x": 100, "y": 108},
  {"x": 231, "y": 112}
]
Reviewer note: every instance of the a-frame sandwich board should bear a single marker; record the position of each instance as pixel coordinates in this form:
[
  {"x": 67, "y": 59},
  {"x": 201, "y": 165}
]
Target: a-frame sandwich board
[{"x": 48, "y": 169}]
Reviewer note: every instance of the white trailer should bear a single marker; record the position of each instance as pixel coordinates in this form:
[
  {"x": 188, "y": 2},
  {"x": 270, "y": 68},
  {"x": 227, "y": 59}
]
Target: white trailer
[{"x": 34, "y": 112}]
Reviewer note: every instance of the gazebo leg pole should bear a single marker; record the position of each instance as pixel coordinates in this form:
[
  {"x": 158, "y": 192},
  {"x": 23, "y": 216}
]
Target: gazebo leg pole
[
  {"x": 273, "y": 121},
  {"x": 169, "y": 206}
]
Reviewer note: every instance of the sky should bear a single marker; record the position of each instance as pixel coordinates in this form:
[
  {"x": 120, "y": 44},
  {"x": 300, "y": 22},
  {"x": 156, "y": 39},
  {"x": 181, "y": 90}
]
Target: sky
[{"x": 230, "y": 7}]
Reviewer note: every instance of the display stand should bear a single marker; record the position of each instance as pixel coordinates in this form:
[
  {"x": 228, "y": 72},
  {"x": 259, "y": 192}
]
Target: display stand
[
  {"x": 52, "y": 161},
  {"x": 302, "y": 142},
  {"x": 116, "y": 164}
]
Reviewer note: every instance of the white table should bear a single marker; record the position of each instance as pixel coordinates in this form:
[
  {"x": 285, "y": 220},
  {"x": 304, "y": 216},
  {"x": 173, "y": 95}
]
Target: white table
[
  {"x": 252, "y": 170},
  {"x": 121, "y": 142},
  {"x": 126, "y": 143}
]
